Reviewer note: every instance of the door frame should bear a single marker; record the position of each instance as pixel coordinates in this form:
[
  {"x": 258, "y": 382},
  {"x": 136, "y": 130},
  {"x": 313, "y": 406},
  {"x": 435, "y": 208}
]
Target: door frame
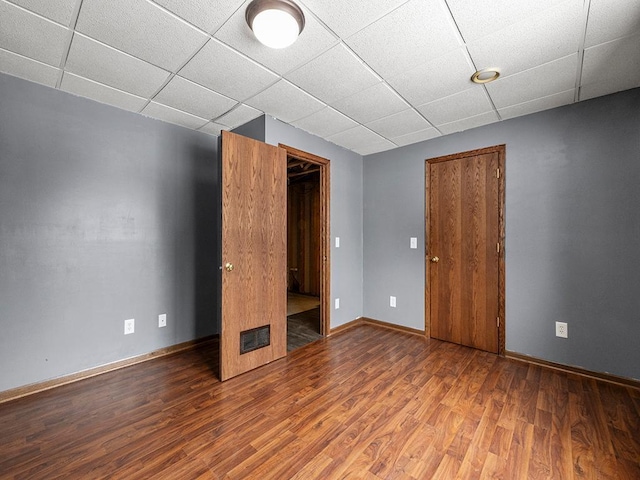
[
  {"x": 501, "y": 151},
  {"x": 325, "y": 232}
]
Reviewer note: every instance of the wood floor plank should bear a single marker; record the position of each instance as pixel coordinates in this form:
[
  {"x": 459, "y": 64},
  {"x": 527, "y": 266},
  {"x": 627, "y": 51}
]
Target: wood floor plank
[{"x": 367, "y": 403}]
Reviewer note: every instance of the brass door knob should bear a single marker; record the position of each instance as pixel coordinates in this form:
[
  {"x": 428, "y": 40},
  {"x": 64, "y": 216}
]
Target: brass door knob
[
  {"x": 228, "y": 267},
  {"x": 435, "y": 259}
]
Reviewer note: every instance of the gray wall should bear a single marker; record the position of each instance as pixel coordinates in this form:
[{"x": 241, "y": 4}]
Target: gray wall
[
  {"x": 572, "y": 231},
  {"x": 104, "y": 215},
  {"x": 346, "y": 215}
]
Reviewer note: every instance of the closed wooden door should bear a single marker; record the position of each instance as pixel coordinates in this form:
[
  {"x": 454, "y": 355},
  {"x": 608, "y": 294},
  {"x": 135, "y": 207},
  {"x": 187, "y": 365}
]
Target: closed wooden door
[
  {"x": 464, "y": 262},
  {"x": 254, "y": 254}
]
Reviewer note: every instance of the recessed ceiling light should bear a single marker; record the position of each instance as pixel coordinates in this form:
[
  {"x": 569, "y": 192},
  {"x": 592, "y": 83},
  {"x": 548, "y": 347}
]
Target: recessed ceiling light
[
  {"x": 275, "y": 23},
  {"x": 486, "y": 75}
]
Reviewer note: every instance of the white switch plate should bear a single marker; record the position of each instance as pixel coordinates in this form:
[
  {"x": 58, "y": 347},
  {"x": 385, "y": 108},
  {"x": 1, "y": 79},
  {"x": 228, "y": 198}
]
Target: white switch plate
[
  {"x": 162, "y": 320},
  {"x": 392, "y": 301},
  {"x": 337, "y": 302},
  {"x": 414, "y": 242},
  {"x": 129, "y": 326},
  {"x": 337, "y": 242}
]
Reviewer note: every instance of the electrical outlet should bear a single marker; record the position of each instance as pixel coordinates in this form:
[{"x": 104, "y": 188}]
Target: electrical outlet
[
  {"x": 337, "y": 302},
  {"x": 162, "y": 320},
  {"x": 129, "y": 326},
  {"x": 562, "y": 330},
  {"x": 392, "y": 301}
]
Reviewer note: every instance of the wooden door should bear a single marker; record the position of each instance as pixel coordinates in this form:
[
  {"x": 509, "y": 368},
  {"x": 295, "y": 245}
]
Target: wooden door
[
  {"x": 254, "y": 254},
  {"x": 464, "y": 265}
]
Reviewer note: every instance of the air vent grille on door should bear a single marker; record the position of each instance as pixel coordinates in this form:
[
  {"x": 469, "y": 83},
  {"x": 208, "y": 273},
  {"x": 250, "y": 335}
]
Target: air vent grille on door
[{"x": 254, "y": 339}]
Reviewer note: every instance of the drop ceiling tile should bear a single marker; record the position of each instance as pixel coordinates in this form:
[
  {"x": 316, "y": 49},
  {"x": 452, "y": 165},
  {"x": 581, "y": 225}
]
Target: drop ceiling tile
[
  {"x": 414, "y": 33},
  {"x": 549, "y": 35},
  {"x": 371, "y": 104},
  {"x": 30, "y": 35},
  {"x": 346, "y": 18},
  {"x": 333, "y": 75},
  {"x": 548, "y": 79},
  {"x": 285, "y": 102},
  {"x": 475, "y": 19},
  {"x": 190, "y": 97},
  {"x": 313, "y": 40},
  {"x": 324, "y": 123},
  {"x": 171, "y": 115},
  {"x": 537, "y": 105},
  {"x": 468, "y": 123},
  {"x": 361, "y": 139},
  {"x": 202, "y": 13},
  {"x": 416, "y": 137},
  {"x": 93, "y": 60},
  {"x": 238, "y": 116},
  {"x": 446, "y": 75},
  {"x": 611, "y": 19},
  {"x": 225, "y": 71},
  {"x": 213, "y": 128},
  {"x": 57, "y": 10},
  {"x": 372, "y": 148},
  {"x": 24, "y": 67},
  {"x": 611, "y": 67},
  {"x": 142, "y": 29},
  {"x": 402, "y": 123},
  {"x": 102, "y": 93},
  {"x": 468, "y": 103}
]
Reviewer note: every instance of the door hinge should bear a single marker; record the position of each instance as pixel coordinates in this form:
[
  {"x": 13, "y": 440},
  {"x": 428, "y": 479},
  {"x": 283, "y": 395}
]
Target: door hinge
[
  {"x": 498, "y": 322},
  {"x": 497, "y": 173},
  {"x": 498, "y": 247}
]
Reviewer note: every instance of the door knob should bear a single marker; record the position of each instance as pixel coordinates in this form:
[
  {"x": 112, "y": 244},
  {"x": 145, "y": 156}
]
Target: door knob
[
  {"x": 228, "y": 267},
  {"x": 435, "y": 259}
]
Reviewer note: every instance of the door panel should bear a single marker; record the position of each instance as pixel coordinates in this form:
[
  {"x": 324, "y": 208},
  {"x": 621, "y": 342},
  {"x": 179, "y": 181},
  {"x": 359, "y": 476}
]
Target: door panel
[
  {"x": 464, "y": 234},
  {"x": 254, "y": 216}
]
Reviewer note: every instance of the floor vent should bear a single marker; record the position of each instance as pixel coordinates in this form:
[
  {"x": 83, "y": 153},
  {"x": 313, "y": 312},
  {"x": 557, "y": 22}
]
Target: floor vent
[{"x": 255, "y": 338}]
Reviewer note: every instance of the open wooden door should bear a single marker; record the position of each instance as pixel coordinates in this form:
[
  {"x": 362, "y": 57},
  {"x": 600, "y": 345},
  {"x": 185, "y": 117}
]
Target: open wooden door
[
  {"x": 254, "y": 254},
  {"x": 465, "y": 254}
]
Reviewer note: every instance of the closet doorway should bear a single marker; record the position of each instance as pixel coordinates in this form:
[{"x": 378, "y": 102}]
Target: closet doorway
[{"x": 307, "y": 247}]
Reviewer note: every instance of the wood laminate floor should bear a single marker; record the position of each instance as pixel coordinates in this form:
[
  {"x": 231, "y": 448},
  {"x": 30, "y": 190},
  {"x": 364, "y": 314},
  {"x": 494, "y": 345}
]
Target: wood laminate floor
[
  {"x": 303, "y": 328},
  {"x": 368, "y": 403}
]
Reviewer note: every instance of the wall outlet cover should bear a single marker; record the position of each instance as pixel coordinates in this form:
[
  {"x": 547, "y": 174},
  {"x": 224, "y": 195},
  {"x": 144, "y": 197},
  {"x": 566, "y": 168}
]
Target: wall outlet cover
[
  {"x": 129, "y": 326},
  {"x": 162, "y": 320},
  {"x": 562, "y": 330}
]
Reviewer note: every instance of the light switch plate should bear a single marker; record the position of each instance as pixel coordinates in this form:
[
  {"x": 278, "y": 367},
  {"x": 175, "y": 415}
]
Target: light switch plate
[
  {"x": 337, "y": 242},
  {"x": 337, "y": 303},
  {"x": 162, "y": 320},
  {"x": 392, "y": 301},
  {"x": 414, "y": 242}
]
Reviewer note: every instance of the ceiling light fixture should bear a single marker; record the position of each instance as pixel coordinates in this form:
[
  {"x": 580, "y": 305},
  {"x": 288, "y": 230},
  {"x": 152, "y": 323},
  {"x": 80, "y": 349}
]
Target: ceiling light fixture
[
  {"x": 275, "y": 23},
  {"x": 486, "y": 75}
]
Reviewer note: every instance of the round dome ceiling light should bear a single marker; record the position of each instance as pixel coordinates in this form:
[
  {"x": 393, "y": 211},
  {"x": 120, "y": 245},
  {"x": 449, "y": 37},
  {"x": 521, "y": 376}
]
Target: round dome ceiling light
[
  {"x": 275, "y": 23},
  {"x": 486, "y": 75}
]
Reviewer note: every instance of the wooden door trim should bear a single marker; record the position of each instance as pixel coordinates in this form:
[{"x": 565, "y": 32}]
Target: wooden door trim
[
  {"x": 501, "y": 151},
  {"x": 325, "y": 232}
]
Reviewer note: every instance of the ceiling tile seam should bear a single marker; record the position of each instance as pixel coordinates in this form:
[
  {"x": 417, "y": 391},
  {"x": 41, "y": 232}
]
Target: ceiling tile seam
[
  {"x": 35, "y": 14},
  {"x": 533, "y": 100},
  {"x": 382, "y": 80},
  {"x": 461, "y": 38},
  {"x": 178, "y": 17},
  {"x": 172, "y": 75},
  {"x": 586, "y": 9},
  {"x": 28, "y": 58},
  {"x": 67, "y": 46},
  {"x": 470, "y": 58},
  {"x": 319, "y": 20}
]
